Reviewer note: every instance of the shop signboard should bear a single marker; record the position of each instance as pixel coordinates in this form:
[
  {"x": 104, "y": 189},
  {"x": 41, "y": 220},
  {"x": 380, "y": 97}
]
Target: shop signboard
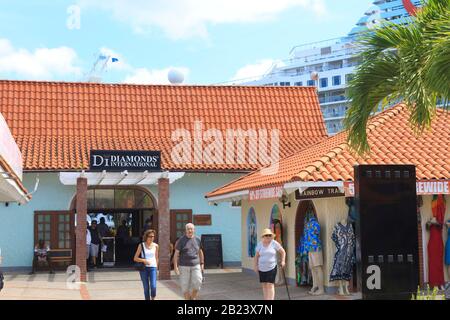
[
  {"x": 212, "y": 250},
  {"x": 265, "y": 193},
  {"x": 423, "y": 187},
  {"x": 318, "y": 192},
  {"x": 202, "y": 219},
  {"x": 121, "y": 160},
  {"x": 387, "y": 231}
]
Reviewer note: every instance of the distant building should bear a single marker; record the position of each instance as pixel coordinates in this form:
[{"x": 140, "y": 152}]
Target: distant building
[{"x": 334, "y": 61}]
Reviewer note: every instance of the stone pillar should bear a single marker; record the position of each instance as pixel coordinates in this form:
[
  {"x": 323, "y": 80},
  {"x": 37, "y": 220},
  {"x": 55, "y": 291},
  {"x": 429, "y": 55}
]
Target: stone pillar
[
  {"x": 81, "y": 209},
  {"x": 164, "y": 229}
]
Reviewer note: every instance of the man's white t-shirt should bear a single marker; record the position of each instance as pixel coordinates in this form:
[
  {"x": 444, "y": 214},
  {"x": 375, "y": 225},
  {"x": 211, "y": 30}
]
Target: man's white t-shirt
[{"x": 267, "y": 255}]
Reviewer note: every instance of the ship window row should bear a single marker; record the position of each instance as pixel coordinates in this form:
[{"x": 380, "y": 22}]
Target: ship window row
[{"x": 323, "y": 82}]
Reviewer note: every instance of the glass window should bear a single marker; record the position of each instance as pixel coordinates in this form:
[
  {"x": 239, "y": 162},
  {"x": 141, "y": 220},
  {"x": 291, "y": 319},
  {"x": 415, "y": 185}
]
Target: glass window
[
  {"x": 310, "y": 83},
  {"x": 142, "y": 199},
  {"x": 299, "y": 83},
  {"x": 348, "y": 77},
  {"x": 324, "y": 82},
  {"x": 124, "y": 198},
  {"x": 104, "y": 198},
  {"x": 336, "y": 80},
  {"x": 90, "y": 199}
]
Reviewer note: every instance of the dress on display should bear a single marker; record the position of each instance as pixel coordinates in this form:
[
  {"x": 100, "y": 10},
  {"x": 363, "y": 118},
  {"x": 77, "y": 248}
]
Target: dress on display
[
  {"x": 436, "y": 244},
  {"x": 309, "y": 242},
  {"x": 344, "y": 239}
]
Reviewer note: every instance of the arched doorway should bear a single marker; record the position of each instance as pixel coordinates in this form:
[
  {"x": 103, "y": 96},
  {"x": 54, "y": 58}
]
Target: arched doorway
[
  {"x": 304, "y": 210},
  {"x": 126, "y": 211}
]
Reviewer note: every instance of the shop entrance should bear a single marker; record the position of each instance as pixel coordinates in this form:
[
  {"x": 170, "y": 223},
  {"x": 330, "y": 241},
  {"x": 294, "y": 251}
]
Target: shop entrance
[
  {"x": 122, "y": 214},
  {"x": 305, "y": 211}
]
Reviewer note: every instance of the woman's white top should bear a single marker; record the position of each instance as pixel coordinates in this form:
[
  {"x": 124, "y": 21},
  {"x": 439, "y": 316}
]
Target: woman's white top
[
  {"x": 150, "y": 255},
  {"x": 267, "y": 255}
]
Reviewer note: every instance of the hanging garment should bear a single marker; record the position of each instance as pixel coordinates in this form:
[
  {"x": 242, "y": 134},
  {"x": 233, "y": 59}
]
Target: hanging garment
[
  {"x": 311, "y": 237},
  {"x": 309, "y": 241},
  {"x": 344, "y": 239},
  {"x": 447, "y": 247},
  {"x": 436, "y": 244}
]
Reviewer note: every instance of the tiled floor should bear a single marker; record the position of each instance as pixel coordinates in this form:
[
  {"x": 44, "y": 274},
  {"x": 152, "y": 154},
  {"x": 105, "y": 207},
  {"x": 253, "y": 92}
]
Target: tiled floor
[{"x": 126, "y": 285}]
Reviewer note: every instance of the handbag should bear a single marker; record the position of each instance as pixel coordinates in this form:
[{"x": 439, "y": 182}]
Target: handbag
[{"x": 140, "y": 266}]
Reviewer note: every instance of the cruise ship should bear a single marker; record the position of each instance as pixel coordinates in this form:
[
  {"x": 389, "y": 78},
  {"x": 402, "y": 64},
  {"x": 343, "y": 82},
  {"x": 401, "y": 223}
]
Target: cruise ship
[{"x": 330, "y": 64}]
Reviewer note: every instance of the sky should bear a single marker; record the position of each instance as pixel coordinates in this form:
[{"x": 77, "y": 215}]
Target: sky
[{"x": 208, "y": 41}]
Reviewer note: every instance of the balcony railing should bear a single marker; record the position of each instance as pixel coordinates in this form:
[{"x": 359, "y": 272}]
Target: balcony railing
[{"x": 332, "y": 99}]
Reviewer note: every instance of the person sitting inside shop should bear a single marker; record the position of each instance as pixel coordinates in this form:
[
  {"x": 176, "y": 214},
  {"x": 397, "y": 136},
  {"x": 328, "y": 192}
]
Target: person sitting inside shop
[{"x": 41, "y": 255}]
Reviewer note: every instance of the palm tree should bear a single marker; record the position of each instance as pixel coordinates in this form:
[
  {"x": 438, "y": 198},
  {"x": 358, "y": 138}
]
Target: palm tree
[{"x": 409, "y": 62}]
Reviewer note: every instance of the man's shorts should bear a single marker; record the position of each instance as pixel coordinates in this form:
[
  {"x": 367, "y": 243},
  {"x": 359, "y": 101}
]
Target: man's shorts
[
  {"x": 190, "y": 278},
  {"x": 94, "y": 250}
]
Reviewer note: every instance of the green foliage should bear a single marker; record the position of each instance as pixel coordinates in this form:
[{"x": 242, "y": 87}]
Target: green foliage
[
  {"x": 427, "y": 295},
  {"x": 410, "y": 62}
]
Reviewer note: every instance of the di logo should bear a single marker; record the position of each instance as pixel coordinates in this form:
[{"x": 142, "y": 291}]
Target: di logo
[{"x": 374, "y": 279}]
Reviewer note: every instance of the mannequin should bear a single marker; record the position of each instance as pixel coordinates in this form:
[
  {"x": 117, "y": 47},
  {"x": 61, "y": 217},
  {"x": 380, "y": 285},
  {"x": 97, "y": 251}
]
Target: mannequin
[
  {"x": 315, "y": 265},
  {"x": 344, "y": 239},
  {"x": 344, "y": 284},
  {"x": 313, "y": 246}
]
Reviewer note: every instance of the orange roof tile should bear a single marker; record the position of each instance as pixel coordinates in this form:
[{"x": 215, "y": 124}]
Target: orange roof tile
[
  {"x": 56, "y": 124},
  {"x": 391, "y": 139}
]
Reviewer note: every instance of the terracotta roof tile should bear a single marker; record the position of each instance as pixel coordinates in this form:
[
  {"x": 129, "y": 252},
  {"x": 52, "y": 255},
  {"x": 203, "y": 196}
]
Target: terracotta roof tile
[
  {"x": 391, "y": 139},
  {"x": 57, "y": 123}
]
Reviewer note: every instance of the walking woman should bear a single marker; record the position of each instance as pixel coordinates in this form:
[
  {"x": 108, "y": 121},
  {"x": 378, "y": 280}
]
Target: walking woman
[
  {"x": 147, "y": 253},
  {"x": 266, "y": 262}
]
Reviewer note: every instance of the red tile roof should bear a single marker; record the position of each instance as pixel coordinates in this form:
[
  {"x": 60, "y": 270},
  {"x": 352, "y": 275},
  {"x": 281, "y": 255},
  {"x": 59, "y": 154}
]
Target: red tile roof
[
  {"x": 56, "y": 124},
  {"x": 392, "y": 142}
]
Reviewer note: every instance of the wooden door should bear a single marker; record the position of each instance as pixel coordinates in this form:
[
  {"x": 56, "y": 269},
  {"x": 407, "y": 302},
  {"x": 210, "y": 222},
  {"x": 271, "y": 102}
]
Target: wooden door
[
  {"x": 178, "y": 220},
  {"x": 56, "y": 228}
]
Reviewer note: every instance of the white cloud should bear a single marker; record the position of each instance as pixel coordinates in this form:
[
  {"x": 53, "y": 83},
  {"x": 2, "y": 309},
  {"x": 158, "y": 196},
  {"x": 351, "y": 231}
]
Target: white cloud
[
  {"x": 251, "y": 71},
  {"x": 188, "y": 18},
  {"x": 152, "y": 76},
  {"x": 42, "y": 63}
]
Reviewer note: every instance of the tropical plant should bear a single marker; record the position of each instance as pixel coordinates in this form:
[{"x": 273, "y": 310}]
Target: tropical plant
[
  {"x": 428, "y": 295},
  {"x": 409, "y": 62}
]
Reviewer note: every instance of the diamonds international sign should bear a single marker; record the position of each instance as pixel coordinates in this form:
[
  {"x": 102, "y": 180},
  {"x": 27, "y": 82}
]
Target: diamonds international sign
[{"x": 121, "y": 160}]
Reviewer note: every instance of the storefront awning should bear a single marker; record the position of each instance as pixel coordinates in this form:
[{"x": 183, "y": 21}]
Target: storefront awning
[
  {"x": 11, "y": 187},
  {"x": 118, "y": 178}
]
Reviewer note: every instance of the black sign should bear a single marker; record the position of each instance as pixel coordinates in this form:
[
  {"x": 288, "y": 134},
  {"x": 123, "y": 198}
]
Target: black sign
[
  {"x": 387, "y": 231},
  {"x": 212, "y": 249},
  {"x": 120, "y": 160},
  {"x": 318, "y": 192}
]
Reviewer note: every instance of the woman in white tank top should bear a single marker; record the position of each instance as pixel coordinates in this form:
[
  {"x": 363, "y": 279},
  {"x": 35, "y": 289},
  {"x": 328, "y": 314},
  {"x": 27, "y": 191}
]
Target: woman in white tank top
[{"x": 147, "y": 253}]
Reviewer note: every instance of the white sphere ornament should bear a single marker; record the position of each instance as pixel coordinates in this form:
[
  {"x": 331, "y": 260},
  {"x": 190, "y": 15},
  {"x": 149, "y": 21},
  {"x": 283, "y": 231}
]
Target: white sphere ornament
[
  {"x": 175, "y": 76},
  {"x": 314, "y": 75}
]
